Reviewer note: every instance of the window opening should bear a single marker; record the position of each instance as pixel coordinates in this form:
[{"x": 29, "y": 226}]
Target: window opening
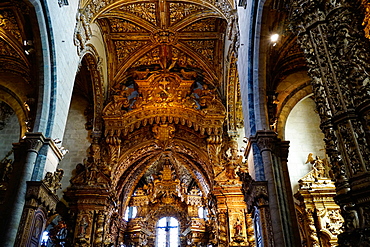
[
  {"x": 130, "y": 213},
  {"x": 168, "y": 232}
]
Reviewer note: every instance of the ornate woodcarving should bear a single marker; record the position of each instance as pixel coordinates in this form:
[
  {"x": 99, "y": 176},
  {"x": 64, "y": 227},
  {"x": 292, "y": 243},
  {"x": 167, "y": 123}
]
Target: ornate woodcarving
[
  {"x": 206, "y": 25},
  {"x": 125, "y": 48},
  {"x": 123, "y": 26},
  {"x": 321, "y": 220},
  {"x": 9, "y": 23},
  {"x": 40, "y": 202},
  {"x": 234, "y": 103},
  {"x": 204, "y": 47},
  {"x": 161, "y": 26},
  {"x": 165, "y": 195},
  {"x": 335, "y": 46},
  {"x": 162, "y": 98},
  {"x": 180, "y": 10},
  {"x": 144, "y": 10}
]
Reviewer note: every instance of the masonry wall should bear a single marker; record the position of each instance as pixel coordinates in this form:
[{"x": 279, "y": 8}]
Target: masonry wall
[
  {"x": 9, "y": 134},
  {"x": 303, "y": 132},
  {"x": 76, "y": 139},
  {"x": 63, "y": 22}
]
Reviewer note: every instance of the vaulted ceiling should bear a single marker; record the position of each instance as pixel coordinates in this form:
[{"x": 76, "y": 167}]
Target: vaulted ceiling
[{"x": 163, "y": 34}]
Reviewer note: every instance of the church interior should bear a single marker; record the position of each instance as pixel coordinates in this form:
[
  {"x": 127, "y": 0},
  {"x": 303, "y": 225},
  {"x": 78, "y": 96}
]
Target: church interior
[{"x": 173, "y": 123}]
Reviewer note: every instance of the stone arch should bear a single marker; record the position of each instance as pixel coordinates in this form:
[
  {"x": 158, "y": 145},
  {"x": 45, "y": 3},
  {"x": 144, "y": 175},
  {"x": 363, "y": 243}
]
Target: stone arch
[
  {"x": 295, "y": 95},
  {"x": 45, "y": 115},
  {"x": 14, "y": 101}
]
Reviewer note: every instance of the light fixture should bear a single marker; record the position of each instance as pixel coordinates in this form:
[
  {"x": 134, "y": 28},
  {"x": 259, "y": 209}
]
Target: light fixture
[{"x": 274, "y": 38}]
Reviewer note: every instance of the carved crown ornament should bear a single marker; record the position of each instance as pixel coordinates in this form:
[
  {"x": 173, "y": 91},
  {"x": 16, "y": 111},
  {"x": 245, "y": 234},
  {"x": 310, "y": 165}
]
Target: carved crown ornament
[{"x": 164, "y": 98}]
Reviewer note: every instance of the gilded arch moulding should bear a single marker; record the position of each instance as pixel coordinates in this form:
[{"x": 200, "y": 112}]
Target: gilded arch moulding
[
  {"x": 142, "y": 157},
  {"x": 94, "y": 63}
]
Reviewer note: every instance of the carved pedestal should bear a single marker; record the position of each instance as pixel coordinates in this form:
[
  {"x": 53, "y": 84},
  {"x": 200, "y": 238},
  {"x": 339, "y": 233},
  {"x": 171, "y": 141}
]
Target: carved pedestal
[
  {"x": 90, "y": 207},
  {"x": 40, "y": 203}
]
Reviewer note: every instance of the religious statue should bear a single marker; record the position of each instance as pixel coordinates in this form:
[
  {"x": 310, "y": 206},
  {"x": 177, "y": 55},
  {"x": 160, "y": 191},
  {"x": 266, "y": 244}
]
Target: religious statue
[
  {"x": 234, "y": 162},
  {"x": 319, "y": 169},
  {"x": 83, "y": 227},
  {"x": 52, "y": 180},
  {"x": 238, "y": 231}
]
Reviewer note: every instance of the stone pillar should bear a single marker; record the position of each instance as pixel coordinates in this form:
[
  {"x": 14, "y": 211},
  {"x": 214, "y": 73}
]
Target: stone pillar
[
  {"x": 337, "y": 52},
  {"x": 256, "y": 197},
  {"x": 25, "y": 154},
  {"x": 274, "y": 154}
]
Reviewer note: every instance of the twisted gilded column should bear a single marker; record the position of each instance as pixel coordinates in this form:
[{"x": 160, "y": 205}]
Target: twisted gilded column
[{"x": 337, "y": 52}]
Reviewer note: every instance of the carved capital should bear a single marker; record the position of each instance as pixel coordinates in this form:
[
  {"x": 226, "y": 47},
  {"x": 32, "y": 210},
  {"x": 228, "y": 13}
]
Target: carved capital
[
  {"x": 33, "y": 141},
  {"x": 255, "y": 192},
  {"x": 265, "y": 140}
]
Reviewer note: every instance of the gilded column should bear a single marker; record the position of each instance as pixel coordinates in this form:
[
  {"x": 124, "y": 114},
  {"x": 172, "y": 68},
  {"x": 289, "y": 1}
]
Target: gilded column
[{"x": 332, "y": 38}]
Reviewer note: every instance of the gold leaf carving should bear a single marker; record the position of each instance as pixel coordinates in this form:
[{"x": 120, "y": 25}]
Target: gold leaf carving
[
  {"x": 149, "y": 58},
  {"x": 122, "y": 26},
  {"x": 184, "y": 60},
  {"x": 9, "y": 23},
  {"x": 7, "y": 50},
  {"x": 207, "y": 25},
  {"x": 366, "y": 21},
  {"x": 124, "y": 48},
  {"x": 179, "y": 11},
  {"x": 142, "y": 10},
  {"x": 204, "y": 47}
]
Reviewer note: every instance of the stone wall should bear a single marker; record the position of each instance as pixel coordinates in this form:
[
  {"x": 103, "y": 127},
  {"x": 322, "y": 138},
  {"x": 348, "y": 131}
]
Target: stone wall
[
  {"x": 303, "y": 132},
  {"x": 9, "y": 134},
  {"x": 76, "y": 139}
]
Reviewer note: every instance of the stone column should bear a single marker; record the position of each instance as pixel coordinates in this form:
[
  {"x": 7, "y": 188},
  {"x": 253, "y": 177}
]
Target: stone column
[
  {"x": 274, "y": 154},
  {"x": 25, "y": 156},
  {"x": 256, "y": 197},
  {"x": 337, "y": 52}
]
